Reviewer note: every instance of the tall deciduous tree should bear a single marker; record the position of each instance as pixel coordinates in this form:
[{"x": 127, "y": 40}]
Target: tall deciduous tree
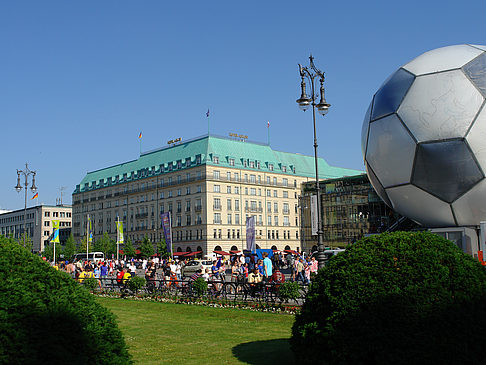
[
  {"x": 69, "y": 247},
  {"x": 128, "y": 248},
  {"x": 146, "y": 249}
]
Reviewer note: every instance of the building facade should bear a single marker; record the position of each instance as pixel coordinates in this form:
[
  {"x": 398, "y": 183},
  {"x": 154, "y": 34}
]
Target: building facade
[
  {"x": 38, "y": 223},
  {"x": 350, "y": 210},
  {"x": 211, "y": 185}
]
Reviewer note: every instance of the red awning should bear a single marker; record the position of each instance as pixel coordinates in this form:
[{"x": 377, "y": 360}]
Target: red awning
[
  {"x": 292, "y": 252},
  {"x": 180, "y": 253},
  {"x": 223, "y": 253},
  {"x": 234, "y": 252},
  {"x": 193, "y": 253}
]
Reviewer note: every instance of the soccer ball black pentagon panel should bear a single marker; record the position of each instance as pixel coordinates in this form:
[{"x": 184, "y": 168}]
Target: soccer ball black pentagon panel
[{"x": 424, "y": 137}]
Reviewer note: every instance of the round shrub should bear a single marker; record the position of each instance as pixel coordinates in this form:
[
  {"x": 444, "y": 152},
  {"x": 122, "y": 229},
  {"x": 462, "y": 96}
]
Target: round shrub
[
  {"x": 136, "y": 283},
  {"x": 91, "y": 283},
  {"x": 48, "y": 318},
  {"x": 200, "y": 286},
  {"x": 397, "y": 298},
  {"x": 288, "y": 290}
]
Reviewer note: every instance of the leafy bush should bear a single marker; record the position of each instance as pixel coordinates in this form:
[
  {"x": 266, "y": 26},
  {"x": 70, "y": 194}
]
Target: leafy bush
[
  {"x": 136, "y": 283},
  {"x": 91, "y": 283},
  {"x": 200, "y": 286},
  {"x": 46, "y": 317},
  {"x": 398, "y": 298},
  {"x": 288, "y": 290}
]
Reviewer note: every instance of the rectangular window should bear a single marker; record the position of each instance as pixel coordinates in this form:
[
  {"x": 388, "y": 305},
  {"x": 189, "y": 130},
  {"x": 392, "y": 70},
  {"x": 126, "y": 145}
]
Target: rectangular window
[
  {"x": 228, "y": 189},
  {"x": 285, "y": 194},
  {"x": 228, "y": 204},
  {"x": 216, "y": 174},
  {"x": 275, "y": 193},
  {"x": 231, "y": 161},
  {"x": 286, "y": 221},
  {"x": 188, "y": 220},
  {"x": 237, "y": 190},
  {"x": 237, "y": 205},
  {"x": 246, "y": 191},
  {"x": 217, "y": 204},
  {"x": 252, "y": 191},
  {"x": 215, "y": 159},
  {"x": 285, "y": 208},
  {"x": 198, "y": 188},
  {"x": 274, "y": 181},
  {"x": 229, "y": 219},
  {"x": 269, "y": 220},
  {"x": 217, "y": 188},
  {"x": 275, "y": 220},
  {"x": 253, "y": 179},
  {"x": 228, "y": 176},
  {"x": 285, "y": 182},
  {"x": 275, "y": 207},
  {"x": 269, "y": 207},
  {"x": 237, "y": 219},
  {"x": 236, "y": 176},
  {"x": 217, "y": 218},
  {"x": 270, "y": 167}
]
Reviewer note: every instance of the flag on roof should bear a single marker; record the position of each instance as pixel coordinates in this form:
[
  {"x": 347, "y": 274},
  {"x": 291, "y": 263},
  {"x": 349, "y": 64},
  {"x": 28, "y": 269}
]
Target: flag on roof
[
  {"x": 268, "y": 124},
  {"x": 35, "y": 196},
  {"x": 140, "y": 135},
  {"x": 207, "y": 114}
]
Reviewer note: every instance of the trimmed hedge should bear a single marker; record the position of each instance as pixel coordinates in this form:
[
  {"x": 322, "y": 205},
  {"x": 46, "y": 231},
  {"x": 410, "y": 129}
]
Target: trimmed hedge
[
  {"x": 397, "y": 298},
  {"x": 48, "y": 318}
]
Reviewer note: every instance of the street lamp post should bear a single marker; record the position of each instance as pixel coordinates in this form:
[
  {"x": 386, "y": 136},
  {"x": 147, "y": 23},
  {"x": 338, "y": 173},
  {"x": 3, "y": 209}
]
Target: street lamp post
[
  {"x": 27, "y": 172},
  {"x": 312, "y": 74}
]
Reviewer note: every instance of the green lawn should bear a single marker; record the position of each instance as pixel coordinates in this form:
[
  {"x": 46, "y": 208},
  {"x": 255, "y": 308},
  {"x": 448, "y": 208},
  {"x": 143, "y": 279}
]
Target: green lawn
[{"x": 187, "y": 334}]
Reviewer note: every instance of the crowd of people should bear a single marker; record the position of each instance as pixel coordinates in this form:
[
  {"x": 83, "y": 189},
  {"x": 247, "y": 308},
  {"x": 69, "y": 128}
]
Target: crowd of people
[{"x": 236, "y": 268}]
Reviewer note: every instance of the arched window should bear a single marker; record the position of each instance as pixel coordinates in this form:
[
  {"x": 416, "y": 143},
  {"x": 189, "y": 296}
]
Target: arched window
[
  {"x": 218, "y": 248},
  {"x": 287, "y": 247},
  {"x": 200, "y": 254},
  {"x": 188, "y": 249},
  {"x": 274, "y": 247},
  {"x": 234, "y": 248},
  {"x": 179, "y": 249}
]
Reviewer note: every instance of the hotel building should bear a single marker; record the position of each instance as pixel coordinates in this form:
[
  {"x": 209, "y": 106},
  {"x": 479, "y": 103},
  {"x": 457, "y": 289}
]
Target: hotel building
[{"x": 210, "y": 184}]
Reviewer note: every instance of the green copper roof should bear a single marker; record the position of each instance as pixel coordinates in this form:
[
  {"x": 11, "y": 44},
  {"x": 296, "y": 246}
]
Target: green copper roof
[{"x": 215, "y": 151}]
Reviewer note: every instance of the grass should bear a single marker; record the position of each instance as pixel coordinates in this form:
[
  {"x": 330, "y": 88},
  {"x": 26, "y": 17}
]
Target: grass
[{"x": 164, "y": 333}]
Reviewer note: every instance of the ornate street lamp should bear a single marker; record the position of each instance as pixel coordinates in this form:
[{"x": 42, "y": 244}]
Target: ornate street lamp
[
  {"x": 312, "y": 74},
  {"x": 27, "y": 172}
]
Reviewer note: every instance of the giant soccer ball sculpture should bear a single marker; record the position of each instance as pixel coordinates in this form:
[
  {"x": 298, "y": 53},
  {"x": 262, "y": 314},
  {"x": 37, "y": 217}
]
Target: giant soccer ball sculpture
[{"x": 424, "y": 138}]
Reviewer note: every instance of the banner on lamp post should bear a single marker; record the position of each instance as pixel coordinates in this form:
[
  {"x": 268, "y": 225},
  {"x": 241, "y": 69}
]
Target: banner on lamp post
[
  {"x": 314, "y": 220},
  {"x": 250, "y": 234}
]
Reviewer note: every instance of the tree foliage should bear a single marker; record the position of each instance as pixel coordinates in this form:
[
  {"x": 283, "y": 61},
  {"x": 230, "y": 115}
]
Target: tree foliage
[
  {"x": 399, "y": 298},
  {"x": 146, "y": 249},
  {"x": 46, "y": 317},
  {"x": 162, "y": 249},
  {"x": 69, "y": 247},
  {"x": 128, "y": 248}
]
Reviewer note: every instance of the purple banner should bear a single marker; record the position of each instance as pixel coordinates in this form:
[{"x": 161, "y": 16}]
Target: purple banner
[
  {"x": 250, "y": 234},
  {"x": 166, "y": 225}
]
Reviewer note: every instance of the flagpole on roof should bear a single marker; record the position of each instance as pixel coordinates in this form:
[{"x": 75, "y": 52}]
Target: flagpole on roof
[
  {"x": 268, "y": 133},
  {"x": 207, "y": 115},
  {"x": 140, "y": 140}
]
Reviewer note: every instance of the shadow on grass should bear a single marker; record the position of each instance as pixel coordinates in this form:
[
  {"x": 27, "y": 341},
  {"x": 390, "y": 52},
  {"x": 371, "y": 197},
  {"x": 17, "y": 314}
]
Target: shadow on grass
[{"x": 265, "y": 352}]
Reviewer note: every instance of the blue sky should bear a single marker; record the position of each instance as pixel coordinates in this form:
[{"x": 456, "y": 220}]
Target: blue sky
[{"x": 80, "y": 80}]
